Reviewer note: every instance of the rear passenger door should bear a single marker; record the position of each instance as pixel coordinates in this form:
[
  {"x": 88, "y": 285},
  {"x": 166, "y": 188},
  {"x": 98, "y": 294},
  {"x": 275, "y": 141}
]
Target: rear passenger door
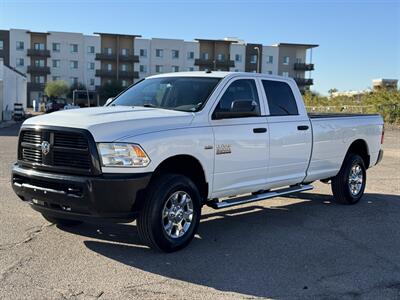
[{"x": 289, "y": 133}]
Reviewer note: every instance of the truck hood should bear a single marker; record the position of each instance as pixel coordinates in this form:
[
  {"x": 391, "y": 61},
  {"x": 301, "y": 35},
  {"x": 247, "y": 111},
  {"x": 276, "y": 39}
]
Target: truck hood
[{"x": 111, "y": 123}]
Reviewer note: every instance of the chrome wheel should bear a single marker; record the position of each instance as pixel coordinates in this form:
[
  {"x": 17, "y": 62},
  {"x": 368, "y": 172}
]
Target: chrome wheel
[
  {"x": 177, "y": 214},
  {"x": 355, "y": 179}
]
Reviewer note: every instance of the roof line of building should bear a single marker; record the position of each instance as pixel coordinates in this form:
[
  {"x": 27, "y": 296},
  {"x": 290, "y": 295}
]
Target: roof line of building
[
  {"x": 117, "y": 34},
  {"x": 296, "y": 45}
]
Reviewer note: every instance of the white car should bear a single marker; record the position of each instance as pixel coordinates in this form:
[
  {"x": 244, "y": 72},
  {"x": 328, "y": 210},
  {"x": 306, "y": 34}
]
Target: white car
[{"x": 174, "y": 142}]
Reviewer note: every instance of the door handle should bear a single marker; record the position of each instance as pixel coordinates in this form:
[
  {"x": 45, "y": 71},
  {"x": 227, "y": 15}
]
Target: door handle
[
  {"x": 302, "y": 127},
  {"x": 259, "y": 130}
]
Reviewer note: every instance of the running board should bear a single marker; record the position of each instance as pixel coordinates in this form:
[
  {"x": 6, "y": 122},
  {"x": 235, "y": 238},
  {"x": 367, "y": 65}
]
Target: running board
[{"x": 252, "y": 198}]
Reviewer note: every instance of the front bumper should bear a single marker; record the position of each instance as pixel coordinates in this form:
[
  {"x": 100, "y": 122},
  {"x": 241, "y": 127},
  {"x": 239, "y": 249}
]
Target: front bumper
[{"x": 108, "y": 197}]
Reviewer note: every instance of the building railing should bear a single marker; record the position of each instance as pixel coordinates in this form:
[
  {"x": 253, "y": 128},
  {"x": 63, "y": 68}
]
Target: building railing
[
  {"x": 129, "y": 58},
  {"x": 33, "y": 86},
  {"x": 303, "y": 67},
  {"x": 36, "y": 52},
  {"x": 304, "y": 81},
  {"x": 106, "y": 73},
  {"x": 38, "y": 70},
  {"x": 113, "y": 73},
  {"x": 128, "y": 74},
  {"x": 217, "y": 63},
  {"x": 105, "y": 56}
]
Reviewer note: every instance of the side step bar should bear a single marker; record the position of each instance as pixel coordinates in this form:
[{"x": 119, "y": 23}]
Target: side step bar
[{"x": 258, "y": 197}]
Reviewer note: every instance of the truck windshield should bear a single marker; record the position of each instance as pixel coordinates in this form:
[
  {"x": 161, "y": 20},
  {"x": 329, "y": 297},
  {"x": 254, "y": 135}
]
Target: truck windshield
[{"x": 176, "y": 93}]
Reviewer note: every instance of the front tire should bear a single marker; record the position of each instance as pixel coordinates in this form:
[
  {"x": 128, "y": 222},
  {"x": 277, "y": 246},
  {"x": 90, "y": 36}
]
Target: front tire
[
  {"x": 62, "y": 222},
  {"x": 349, "y": 184},
  {"x": 171, "y": 213}
]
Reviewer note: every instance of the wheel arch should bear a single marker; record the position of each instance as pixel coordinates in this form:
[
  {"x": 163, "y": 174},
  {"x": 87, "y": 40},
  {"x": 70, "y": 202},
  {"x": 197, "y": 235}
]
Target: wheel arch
[{"x": 360, "y": 147}]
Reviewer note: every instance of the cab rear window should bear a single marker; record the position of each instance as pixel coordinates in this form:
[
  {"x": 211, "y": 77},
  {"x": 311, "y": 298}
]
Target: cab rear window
[{"x": 280, "y": 98}]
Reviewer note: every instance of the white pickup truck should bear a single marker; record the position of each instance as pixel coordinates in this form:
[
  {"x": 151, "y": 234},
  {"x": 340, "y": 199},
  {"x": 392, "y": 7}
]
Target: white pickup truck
[{"x": 174, "y": 142}]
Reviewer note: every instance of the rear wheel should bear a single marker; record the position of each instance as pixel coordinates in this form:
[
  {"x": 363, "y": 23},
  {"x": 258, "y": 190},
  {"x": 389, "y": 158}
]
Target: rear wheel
[
  {"x": 349, "y": 184},
  {"x": 62, "y": 222},
  {"x": 170, "y": 216}
]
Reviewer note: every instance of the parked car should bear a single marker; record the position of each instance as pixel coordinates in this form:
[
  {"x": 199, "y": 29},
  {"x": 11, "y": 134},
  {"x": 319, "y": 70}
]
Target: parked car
[
  {"x": 175, "y": 142},
  {"x": 55, "y": 104}
]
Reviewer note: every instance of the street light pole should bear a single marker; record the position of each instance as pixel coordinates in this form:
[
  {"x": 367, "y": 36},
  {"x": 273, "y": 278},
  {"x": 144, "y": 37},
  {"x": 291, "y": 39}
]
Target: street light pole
[{"x": 258, "y": 58}]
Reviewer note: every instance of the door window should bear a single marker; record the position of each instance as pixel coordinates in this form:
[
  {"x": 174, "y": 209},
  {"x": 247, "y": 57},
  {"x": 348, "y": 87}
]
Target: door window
[
  {"x": 240, "y": 90},
  {"x": 281, "y": 101}
]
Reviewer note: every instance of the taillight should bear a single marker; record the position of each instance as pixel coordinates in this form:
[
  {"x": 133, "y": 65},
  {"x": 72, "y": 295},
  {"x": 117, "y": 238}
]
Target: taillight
[{"x": 383, "y": 134}]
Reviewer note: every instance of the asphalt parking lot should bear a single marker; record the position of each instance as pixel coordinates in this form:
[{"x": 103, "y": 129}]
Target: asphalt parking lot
[{"x": 302, "y": 246}]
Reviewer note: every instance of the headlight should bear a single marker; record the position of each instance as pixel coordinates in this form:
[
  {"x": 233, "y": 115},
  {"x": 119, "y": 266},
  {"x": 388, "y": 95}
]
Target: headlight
[{"x": 122, "y": 155}]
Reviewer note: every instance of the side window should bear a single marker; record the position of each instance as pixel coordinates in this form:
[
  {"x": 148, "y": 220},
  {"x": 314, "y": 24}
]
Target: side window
[
  {"x": 241, "y": 98},
  {"x": 281, "y": 101}
]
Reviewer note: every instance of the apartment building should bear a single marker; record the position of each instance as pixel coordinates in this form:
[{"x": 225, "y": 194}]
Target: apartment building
[
  {"x": 293, "y": 63},
  {"x": 94, "y": 60},
  {"x": 117, "y": 58}
]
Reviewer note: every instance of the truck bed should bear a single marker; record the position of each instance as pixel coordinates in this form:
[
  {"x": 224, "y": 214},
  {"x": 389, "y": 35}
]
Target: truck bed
[{"x": 337, "y": 115}]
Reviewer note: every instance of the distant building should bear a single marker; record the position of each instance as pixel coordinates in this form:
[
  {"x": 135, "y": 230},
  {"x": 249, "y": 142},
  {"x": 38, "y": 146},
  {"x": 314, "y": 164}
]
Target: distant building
[
  {"x": 389, "y": 84},
  {"x": 94, "y": 60},
  {"x": 13, "y": 87}
]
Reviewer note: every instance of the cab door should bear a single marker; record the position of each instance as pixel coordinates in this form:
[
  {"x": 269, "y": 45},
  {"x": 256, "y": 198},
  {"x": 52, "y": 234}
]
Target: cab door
[
  {"x": 290, "y": 135},
  {"x": 240, "y": 140}
]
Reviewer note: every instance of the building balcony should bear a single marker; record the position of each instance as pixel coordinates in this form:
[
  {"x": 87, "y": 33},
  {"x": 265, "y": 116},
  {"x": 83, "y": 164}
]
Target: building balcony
[
  {"x": 128, "y": 74},
  {"x": 33, "y": 86},
  {"x": 38, "y": 70},
  {"x": 105, "y": 56},
  {"x": 39, "y": 53},
  {"x": 106, "y": 73},
  {"x": 304, "y": 81},
  {"x": 129, "y": 58},
  {"x": 303, "y": 67},
  {"x": 211, "y": 63}
]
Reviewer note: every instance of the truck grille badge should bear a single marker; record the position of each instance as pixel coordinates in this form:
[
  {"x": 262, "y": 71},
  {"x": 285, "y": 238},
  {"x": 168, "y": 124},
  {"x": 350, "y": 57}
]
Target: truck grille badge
[{"x": 45, "y": 146}]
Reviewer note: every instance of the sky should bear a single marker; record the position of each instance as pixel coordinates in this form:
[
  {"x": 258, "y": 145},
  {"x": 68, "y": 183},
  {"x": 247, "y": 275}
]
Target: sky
[{"x": 358, "y": 40}]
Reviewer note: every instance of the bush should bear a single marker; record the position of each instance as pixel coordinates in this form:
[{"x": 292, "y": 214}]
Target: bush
[
  {"x": 56, "y": 89},
  {"x": 384, "y": 102}
]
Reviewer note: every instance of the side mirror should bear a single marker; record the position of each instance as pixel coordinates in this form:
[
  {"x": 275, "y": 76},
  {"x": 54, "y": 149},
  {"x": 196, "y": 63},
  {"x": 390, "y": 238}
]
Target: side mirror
[
  {"x": 109, "y": 100},
  {"x": 239, "y": 109}
]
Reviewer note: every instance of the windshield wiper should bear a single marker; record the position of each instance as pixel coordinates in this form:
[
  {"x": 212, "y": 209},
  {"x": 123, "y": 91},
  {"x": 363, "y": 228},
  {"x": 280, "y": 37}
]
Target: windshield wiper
[{"x": 149, "y": 105}]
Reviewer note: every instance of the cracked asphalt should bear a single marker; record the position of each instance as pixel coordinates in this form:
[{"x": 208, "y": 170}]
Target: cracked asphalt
[{"x": 298, "y": 247}]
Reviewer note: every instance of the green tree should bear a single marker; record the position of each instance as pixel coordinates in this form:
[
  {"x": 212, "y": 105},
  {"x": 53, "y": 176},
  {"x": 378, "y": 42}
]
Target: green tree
[
  {"x": 331, "y": 91},
  {"x": 56, "y": 89},
  {"x": 110, "y": 89}
]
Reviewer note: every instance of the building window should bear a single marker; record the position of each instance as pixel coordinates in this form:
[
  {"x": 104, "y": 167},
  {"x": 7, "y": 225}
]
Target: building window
[
  {"x": 159, "y": 52},
  {"x": 236, "y": 70},
  {"x": 175, "y": 68},
  {"x": 109, "y": 81},
  {"x": 175, "y": 53},
  {"x": 142, "y": 69},
  {"x": 270, "y": 59},
  {"x": 204, "y": 55},
  {"x": 38, "y": 46},
  {"x": 270, "y": 72},
  {"x": 90, "y": 65},
  {"x": 285, "y": 74},
  {"x": 39, "y": 79},
  {"x": 91, "y": 81},
  {"x": 109, "y": 67},
  {"x": 124, "y": 83},
  {"x": 90, "y": 49},
  {"x": 73, "y": 80},
  {"x": 1, "y": 45},
  {"x": 221, "y": 57},
  {"x": 20, "y": 45},
  {"x": 108, "y": 51},
  {"x": 190, "y": 55},
  {"x": 73, "y": 48},
  {"x": 56, "y": 47},
  {"x": 124, "y": 67},
  {"x": 238, "y": 57},
  {"x": 159, "y": 69},
  {"x": 56, "y": 63},
  {"x": 39, "y": 63},
  {"x": 20, "y": 62},
  {"x": 56, "y": 78},
  {"x": 286, "y": 60},
  {"x": 73, "y": 64},
  {"x": 190, "y": 69},
  {"x": 253, "y": 59},
  {"x": 124, "y": 51},
  {"x": 143, "y": 52}
]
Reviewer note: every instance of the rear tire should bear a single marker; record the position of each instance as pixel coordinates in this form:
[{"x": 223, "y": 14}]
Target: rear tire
[
  {"x": 171, "y": 213},
  {"x": 349, "y": 184},
  {"x": 62, "y": 222}
]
